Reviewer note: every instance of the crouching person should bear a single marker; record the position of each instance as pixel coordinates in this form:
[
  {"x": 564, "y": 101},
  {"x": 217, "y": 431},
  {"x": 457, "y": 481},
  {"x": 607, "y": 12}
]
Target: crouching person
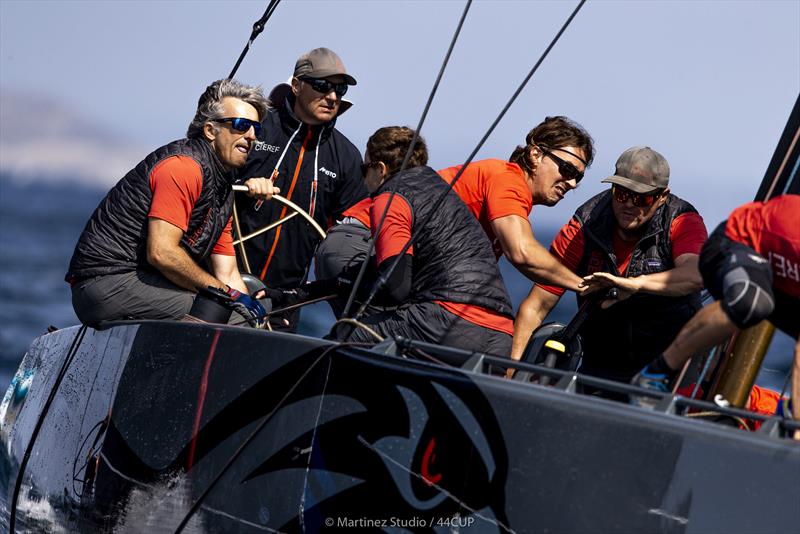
[
  {"x": 750, "y": 265},
  {"x": 447, "y": 284},
  {"x": 164, "y": 231}
]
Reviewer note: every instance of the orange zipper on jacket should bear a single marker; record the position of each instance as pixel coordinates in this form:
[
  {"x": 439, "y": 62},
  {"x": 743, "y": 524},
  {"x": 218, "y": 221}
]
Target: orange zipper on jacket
[{"x": 283, "y": 210}]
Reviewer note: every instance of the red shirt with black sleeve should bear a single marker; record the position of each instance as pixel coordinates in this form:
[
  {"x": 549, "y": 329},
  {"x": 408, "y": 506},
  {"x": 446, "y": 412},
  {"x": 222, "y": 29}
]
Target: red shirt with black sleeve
[
  {"x": 687, "y": 234},
  {"x": 392, "y": 238},
  {"x": 492, "y": 188},
  {"x": 772, "y": 229},
  {"x": 176, "y": 183}
]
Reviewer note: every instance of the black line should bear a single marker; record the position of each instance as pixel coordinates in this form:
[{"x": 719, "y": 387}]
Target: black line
[
  {"x": 76, "y": 342},
  {"x": 384, "y": 278},
  {"x": 406, "y": 158},
  {"x": 258, "y": 27}
]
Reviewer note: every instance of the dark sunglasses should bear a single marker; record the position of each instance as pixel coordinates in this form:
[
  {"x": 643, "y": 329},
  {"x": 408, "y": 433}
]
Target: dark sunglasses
[
  {"x": 240, "y": 124},
  {"x": 565, "y": 168},
  {"x": 640, "y": 200},
  {"x": 323, "y": 86}
]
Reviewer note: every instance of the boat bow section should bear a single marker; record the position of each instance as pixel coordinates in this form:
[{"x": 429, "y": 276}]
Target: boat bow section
[{"x": 224, "y": 429}]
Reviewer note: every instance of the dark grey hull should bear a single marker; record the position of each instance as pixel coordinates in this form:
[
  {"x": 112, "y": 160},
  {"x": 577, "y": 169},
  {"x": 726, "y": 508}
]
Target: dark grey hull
[{"x": 221, "y": 429}]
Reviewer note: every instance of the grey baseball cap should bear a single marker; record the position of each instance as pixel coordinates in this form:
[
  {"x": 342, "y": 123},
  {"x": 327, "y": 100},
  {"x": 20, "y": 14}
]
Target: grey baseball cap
[
  {"x": 641, "y": 169},
  {"x": 321, "y": 63}
]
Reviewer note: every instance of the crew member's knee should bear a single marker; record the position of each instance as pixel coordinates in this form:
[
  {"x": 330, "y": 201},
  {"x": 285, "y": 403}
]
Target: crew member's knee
[{"x": 745, "y": 300}]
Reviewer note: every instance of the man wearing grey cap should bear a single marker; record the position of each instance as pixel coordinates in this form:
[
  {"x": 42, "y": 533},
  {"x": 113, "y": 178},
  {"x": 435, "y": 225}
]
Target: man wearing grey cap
[
  {"x": 311, "y": 163},
  {"x": 642, "y": 239}
]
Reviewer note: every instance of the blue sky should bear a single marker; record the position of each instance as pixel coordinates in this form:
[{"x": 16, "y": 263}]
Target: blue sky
[{"x": 708, "y": 84}]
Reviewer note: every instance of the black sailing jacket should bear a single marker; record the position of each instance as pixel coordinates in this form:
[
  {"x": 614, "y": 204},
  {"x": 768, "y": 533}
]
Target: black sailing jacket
[
  {"x": 115, "y": 238},
  {"x": 622, "y": 339},
  {"x": 317, "y": 168},
  {"x": 453, "y": 259}
]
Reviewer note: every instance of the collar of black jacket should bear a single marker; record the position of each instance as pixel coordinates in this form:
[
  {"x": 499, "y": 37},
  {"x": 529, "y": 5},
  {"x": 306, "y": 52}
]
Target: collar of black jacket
[{"x": 290, "y": 122}]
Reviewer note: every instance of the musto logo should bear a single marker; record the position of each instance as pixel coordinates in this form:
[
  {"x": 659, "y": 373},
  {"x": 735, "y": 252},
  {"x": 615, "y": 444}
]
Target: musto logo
[{"x": 326, "y": 172}]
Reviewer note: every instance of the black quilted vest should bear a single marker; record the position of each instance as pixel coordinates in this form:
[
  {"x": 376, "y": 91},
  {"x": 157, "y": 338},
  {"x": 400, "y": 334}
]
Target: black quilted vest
[
  {"x": 115, "y": 238},
  {"x": 621, "y": 340},
  {"x": 453, "y": 259}
]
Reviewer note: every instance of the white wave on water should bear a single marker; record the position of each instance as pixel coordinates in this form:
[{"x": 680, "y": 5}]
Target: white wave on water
[
  {"x": 37, "y": 515},
  {"x": 159, "y": 508}
]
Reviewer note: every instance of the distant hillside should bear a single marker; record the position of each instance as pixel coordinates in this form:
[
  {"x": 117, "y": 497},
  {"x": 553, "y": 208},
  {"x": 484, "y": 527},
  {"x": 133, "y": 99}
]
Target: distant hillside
[{"x": 42, "y": 139}]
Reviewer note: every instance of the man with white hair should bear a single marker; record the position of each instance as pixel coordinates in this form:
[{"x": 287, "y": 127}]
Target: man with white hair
[{"x": 145, "y": 252}]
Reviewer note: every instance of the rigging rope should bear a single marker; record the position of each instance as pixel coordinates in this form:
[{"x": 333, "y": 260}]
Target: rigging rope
[
  {"x": 406, "y": 158},
  {"x": 249, "y": 439},
  {"x": 384, "y": 278},
  {"x": 359, "y": 324},
  {"x": 73, "y": 350},
  {"x": 258, "y": 27}
]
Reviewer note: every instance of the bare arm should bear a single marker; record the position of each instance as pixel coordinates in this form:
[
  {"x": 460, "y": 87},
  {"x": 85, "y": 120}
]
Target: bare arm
[
  {"x": 707, "y": 328},
  {"x": 164, "y": 252},
  {"x": 529, "y": 256},
  {"x": 531, "y": 313},
  {"x": 682, "y": 279},
  {"x": 226, "y": 270}
]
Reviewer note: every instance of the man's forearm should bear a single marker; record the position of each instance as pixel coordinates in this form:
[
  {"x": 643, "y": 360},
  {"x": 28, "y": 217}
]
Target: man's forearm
[
  {"x": 181, "y": 270},
  {"x": 681, "y": 280},
  {"x": 707, "y": 328},
  {"x": 521, "y": 248},
  {"x": 531, "y": 314},
  {"x": 536, "y": 262},
  {"x": 226, "y": 269},
  {"x": 234, "y": 280},
  {"x": 526, "y": 321}
]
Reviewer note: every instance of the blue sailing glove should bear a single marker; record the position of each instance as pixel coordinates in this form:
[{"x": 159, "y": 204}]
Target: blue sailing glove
[{"x": 248, "y": 307}]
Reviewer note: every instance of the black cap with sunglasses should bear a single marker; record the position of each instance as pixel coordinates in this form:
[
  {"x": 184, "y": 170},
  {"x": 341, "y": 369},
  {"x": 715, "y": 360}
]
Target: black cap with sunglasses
[{"x": 641, "y": 170}]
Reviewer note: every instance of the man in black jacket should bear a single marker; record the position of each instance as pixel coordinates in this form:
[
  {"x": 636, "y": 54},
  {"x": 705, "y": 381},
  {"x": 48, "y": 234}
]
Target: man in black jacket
[
  {"x": 310, "y": 162},
  {"x": 642, "y": 239},
  {"x": 164, "y": 231}
]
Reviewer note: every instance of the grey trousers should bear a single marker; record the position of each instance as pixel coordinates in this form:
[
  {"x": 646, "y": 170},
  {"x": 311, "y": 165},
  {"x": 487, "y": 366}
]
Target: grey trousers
[
  {"x": 139, "y": 294},
  {"x": 427, "y": 321},
  {"x": 345, "y": 248}
]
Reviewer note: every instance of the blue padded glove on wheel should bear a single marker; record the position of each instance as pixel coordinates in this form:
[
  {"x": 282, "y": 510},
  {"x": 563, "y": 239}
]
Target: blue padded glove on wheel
[{"x": 248, "y": 307}]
